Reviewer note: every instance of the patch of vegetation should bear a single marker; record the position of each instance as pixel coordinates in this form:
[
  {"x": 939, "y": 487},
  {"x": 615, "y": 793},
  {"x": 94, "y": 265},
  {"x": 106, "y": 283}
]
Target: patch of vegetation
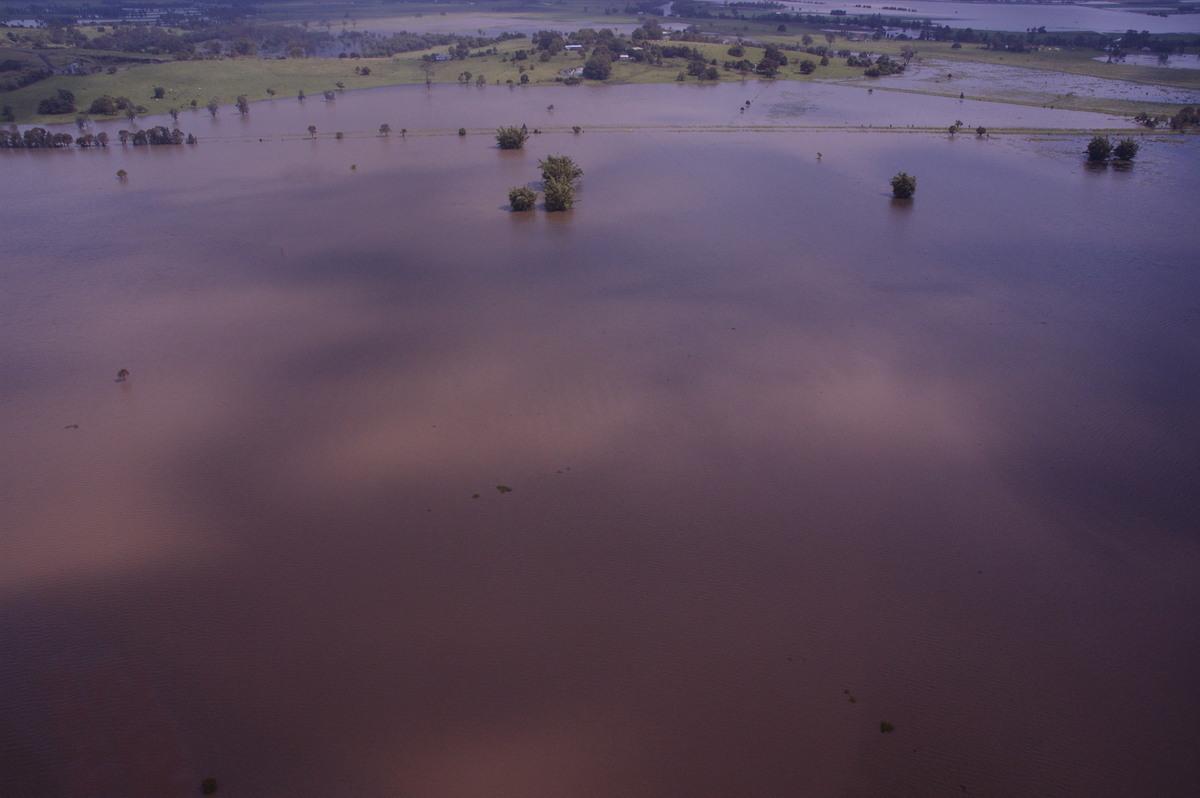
[
  {"x": 504, "y": 488},
  {"x": 522, "y": 198},
  {"x": 886, "y": 728},
  {"x": 1098, "y": 149},
  {"x": 559, "y": 173},
  {"x": 904, "y": 185},
  {"x": 512, "y": 138},
  {"x": 1126, "y": 149}
]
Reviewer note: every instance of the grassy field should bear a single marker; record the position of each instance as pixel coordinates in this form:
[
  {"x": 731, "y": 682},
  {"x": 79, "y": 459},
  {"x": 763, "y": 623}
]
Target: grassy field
[{"x": 223, "y": 80}]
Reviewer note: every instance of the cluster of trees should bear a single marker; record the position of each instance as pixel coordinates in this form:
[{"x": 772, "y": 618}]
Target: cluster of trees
[
  {"x": 1185, "y": 118},
  {"x": 884, "y": 66},
  {"x": 559, "y": 173},
  {"x": 773, "y": 58},
  {"x": 34, "y": 138},
  {"x": 1101, "y": 148},
  {"x": 599, "y": 65},
  {"x": 61, "y": 103},
  {"x": 109, "y": 106},
  {"x": 40, "y": 138},
  {"x": 376, "y": 45},
  {"x": 512, "y": 138},
  {"x": 154, "y": 136},
  {"x": 15, "y": 74}
]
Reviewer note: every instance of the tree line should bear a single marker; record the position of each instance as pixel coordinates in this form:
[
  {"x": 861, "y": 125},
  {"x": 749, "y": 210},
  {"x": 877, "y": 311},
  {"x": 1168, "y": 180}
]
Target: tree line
[{"x": 40, "y": 138}]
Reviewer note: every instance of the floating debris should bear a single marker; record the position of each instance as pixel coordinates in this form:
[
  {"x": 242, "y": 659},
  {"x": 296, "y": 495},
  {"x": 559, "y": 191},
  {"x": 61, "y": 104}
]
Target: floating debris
[
  {"x": 886, "y": 728},
  {"x": 123, "y": 375},
  {"x": 71, "y": 426},
  {"x": 504, "y": 488}
]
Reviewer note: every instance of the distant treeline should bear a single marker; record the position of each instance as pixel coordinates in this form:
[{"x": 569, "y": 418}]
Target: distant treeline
[
  {"x": 375, "y": 45},
  {"x": 926, "y": 29}
]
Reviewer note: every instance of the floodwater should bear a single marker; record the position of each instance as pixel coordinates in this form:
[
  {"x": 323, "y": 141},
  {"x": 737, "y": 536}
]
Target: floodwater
[
  {"x": 981, "y": 16},
  {"x": 788, "y": 460},
  {"x": 1004, "y": 82},
  {"x": 1098, "y": 17},
  {"x": 443, "y": 108},
  {"x": 1172, "y": 62}
]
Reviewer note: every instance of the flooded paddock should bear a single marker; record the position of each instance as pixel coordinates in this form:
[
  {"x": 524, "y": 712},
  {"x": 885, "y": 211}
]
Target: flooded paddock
[
  {"x": 788, "y": 459},
  {"x": 1010, "y": 83}
]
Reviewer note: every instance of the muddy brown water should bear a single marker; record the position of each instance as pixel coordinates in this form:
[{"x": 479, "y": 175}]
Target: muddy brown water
[{"x": 788, "y": 459}]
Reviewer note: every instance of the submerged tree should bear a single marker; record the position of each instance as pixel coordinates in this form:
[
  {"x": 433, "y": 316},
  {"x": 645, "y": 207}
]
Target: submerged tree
[
  {"x": 560, "y": 168},
  {"x": 559, "y": 173},
  {"x": 560, "y": 195},
  {"x": 511, "y": 138},
  {"x": 312, "y": 131},
  {"x": 212, "y": 107},
  {"x": 385, "y": 129},
  {"x": 1126, "y": 149},
  {"x": 1098, "y": 149},
  {"x": 522, "y": 198},
  {"x": 904, "y": 185},
  {"x": 243, "y": 105}
]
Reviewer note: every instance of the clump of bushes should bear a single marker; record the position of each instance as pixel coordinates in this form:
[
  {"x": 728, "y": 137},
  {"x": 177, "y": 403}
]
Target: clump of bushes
[
  {"x": 511, "y": 138},
  {"x": 1100, "y": 148},
  {"x": 61, "y": 103},
  {"x": 522, "y": 198},
  {"x": 559, "y": 173},
  {"x": 904, "y": 185}
]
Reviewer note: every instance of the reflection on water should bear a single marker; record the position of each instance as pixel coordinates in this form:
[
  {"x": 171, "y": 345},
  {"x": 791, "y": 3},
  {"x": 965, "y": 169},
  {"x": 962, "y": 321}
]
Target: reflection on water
[{"x": 774, "y": 444}]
